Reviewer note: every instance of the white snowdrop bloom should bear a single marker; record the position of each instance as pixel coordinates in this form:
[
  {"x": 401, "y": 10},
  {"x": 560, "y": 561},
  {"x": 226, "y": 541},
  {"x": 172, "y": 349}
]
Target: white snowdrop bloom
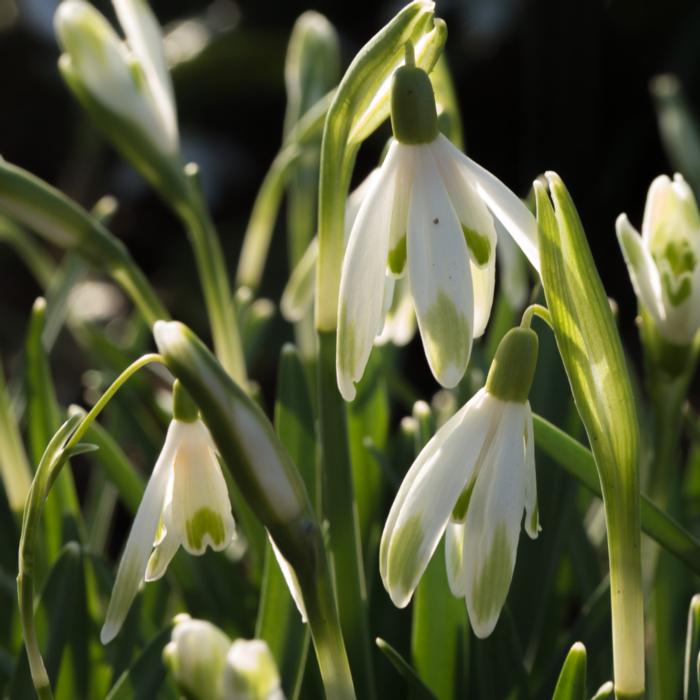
[
  {"x": 472, "y": 481},
  {"x": 196, "y": 655},
  {"x": 185, "y": 503},
  {"x": 251, "y": 672},
  {"x": 429, "y": 215},
  {"x": 664, "y": 261},
  {"x": 128, "y": 79}
]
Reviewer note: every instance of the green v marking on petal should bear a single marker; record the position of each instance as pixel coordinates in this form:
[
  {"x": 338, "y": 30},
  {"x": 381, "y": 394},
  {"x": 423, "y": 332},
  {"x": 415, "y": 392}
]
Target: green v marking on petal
[
  {"x": 347, "y": 342},
  {"x": 493, "y": 578},
  {"x": 204, "y": 521},
  {"x": 403, "y": 554},
  {"x": 447, "y": 332},
  {"x": 479, "y": 244}
]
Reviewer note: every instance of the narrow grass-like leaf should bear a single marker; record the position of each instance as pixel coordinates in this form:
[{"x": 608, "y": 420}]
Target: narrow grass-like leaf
[
  {"x": 591, "y": 351},
  {"x": 144, "y": 678},
  {"x": 572, "y": 679},
  {"x": 579, "y": 462},
  {"x": 279, "y": 622},
  {"x": 415, "y": 684}
]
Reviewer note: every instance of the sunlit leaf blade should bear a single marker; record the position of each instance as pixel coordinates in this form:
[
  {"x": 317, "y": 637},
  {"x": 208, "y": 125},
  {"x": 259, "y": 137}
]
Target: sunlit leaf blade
[
  {"x": 591, "y": 351},
  {"x": 416, "y": 686},
  {"x": 279, "y": 622},
  {"x": 572, "y": 679}
]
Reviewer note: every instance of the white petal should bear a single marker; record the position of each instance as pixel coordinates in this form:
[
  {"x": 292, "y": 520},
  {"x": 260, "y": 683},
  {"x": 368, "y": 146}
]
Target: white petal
[
  {"x": 132, "y": 566},
  {"x": 144, "y": 37},
  {"x": 362, "y": 278},
  {"x": 355, "y": 199},
  {"x": 656, "y": 203},
  {"x": 642, "y": 270},
  {"x": 290, "y": 578},
  {"x": 493, "y": 521},
  {"x": 298, "y": 295},
  {"x": 428, "y": 495},
  {"x": 532, "y": 515},
  {"x": 483, "y": 281},
  {"x": 505, "y": 206},
  {"x": 405, "y": 175},
  {"x": 441, "y": 284},
  {"x": 454, "y": 559},
  {"x": 201, "y": 509},
  {"x": 400, "y": 322},
  {"x": 477, "y": 222},
  {"x": 162, "y": 555}
]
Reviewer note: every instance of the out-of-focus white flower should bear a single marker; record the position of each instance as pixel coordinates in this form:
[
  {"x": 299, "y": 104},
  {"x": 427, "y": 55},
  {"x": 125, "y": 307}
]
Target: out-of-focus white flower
[
  {"x": 251, "y": 672},
  {"x": 196, "y": 655},
  {"x": 664, "y": 261},
  {"x": 129, "y": 79},
  {"x": 473, "y": 481},
  {"x": 429, "y": 213},
  {"x": 185, "y": 503}
]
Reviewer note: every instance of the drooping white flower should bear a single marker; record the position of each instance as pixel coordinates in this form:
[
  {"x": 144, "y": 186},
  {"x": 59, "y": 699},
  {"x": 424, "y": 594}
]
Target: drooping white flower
[
  {"x": 251, "y": 672},
  {"x": 185, "y": 503},
  {"x": 429, "y": 214},
  {"x": 129, "y": 79},
  {"x": 664, "y": 262},
  {"x": 473, "y": 481},
  {"x": 399, "y": 320}
]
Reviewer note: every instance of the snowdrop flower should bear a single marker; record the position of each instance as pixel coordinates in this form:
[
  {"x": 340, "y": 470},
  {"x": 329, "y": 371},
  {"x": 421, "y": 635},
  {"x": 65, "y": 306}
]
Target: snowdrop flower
[
  {"x": 399, "y": 321},
  {"x": 129, "y": 80},
  {"x": 472, "y": 481},
  {"x": 251, "y": 672},
  {"x": 428, "y": 214},
  {"x": 196, "y": 655},
  {"x": 185, "y": 503},
  {"x": 664, "y": 261}
]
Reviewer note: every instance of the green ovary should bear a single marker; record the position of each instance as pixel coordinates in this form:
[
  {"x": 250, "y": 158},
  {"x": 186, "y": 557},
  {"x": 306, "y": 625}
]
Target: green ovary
[
  {"x": 491, "y": 586},
  {"x": 447, "y": 334},
  {"x": 479, "y": 245},
  {"x": 205, "y": 521}
]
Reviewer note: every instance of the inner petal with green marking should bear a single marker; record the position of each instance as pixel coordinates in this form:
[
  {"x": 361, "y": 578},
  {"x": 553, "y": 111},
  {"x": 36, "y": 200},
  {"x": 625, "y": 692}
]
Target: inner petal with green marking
[
  {"x": 479, "y": 245},
  {"x": 405, "y": 554},
  {"x": 447, "y": 333},
  {"x": 204, "y": 522}
]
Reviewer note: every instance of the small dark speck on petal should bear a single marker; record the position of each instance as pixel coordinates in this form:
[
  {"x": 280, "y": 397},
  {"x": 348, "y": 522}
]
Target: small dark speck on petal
[{"x": 436, "y": 220}]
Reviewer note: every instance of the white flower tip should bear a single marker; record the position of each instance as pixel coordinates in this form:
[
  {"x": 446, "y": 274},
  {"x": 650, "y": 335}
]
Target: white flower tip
[
  {"x": 166, "y": 333},
  {"x": 109, "y": 631},
  {"x": 346, "y": 386},
  {"x": 484, "y": 627},
  {"x": 622, "y": 223}
]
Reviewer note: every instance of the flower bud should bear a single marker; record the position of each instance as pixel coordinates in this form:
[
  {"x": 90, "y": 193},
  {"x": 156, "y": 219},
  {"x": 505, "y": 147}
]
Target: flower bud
[
  {"x": 101, "y": 64},
  {"x": 196, "y": 655},
  {"x": 251, "y": 672},
  {"x": 663, "y": 261}
]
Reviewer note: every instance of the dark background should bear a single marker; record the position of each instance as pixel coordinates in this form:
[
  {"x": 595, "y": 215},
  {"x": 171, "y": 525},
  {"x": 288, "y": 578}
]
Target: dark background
[{"x": 542, "y": 85}]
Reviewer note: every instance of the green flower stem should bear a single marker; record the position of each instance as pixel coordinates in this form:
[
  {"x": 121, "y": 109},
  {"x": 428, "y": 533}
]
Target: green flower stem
[
  {"x": 338, "y": 507},
  {"x": 62, "y": 446},
  {"x": 213, "y": 277}
]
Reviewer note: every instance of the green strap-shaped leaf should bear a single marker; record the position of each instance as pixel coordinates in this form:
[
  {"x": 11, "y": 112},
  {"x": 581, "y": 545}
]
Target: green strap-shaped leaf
[
  {"x": 578, "y": 461},
  {"x": 418, "y": 688},
  {"x": 572, "y": 679},
  {"x": 591, "y": 351},
  {"x": 279, "y": 622}
]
